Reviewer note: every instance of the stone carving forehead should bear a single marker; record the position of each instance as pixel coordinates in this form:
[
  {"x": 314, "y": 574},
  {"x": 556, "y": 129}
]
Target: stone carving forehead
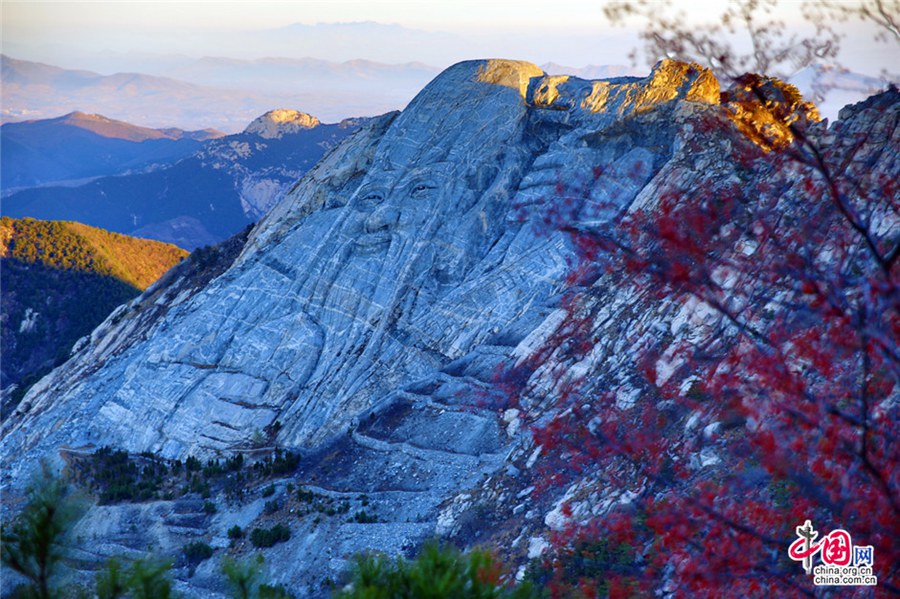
[
  {"x": 438, "y": 168},
  {"x": 419, "y": 153},
  {"x": 387, "y": 172}
]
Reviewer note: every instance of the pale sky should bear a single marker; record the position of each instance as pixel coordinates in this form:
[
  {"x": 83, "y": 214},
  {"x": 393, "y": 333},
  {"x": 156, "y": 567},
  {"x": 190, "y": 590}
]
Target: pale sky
[
  {"x": 434, "y": 15},
  {"x": 571, "y": 32}
]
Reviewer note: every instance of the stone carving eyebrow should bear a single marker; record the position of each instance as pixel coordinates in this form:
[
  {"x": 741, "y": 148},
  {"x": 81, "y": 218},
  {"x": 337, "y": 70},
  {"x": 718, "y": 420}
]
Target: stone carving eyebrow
[{"x": 431, "y": 170}]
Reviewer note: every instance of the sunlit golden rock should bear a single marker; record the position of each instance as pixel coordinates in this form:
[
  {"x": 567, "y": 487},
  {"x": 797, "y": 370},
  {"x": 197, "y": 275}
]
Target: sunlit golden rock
[
  {"x": 670, "y": 80},
  {"x": 277, "y": 123},
  {"x": 515, "y": 74},
  {"x": 767, "y": 110}
]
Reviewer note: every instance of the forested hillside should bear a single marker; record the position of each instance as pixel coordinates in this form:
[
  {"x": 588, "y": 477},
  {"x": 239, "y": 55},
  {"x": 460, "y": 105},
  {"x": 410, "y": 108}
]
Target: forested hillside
[{"x": 62, "y": 279}]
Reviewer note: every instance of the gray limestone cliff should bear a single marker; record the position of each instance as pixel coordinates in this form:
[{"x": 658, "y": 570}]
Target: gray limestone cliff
[{"x": 370, "y": 309}]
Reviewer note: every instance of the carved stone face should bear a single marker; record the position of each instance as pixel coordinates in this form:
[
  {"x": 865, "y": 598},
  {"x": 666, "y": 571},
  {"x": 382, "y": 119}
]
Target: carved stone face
[
  {"x": 401, "y": 204},
  {"x": 429, "y": 168}
]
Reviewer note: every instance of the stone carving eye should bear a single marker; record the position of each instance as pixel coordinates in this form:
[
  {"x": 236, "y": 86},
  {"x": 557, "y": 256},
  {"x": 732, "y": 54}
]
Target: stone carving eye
[
  {"x": 371, "y": 197},
  {"x": 421, "y": 189}
]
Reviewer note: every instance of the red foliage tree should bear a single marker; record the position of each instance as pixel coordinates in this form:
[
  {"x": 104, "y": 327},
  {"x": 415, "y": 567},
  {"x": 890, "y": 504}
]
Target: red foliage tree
[
  {"x": 796, "y": 372},
  {"x": 797, "y": 375}
]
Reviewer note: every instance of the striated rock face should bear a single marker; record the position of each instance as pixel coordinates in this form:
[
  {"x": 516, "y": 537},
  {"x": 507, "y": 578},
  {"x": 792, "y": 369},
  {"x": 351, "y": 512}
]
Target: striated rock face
[
  {"x": 371, "y": 308},
  {"x": 276, "y": 123}
]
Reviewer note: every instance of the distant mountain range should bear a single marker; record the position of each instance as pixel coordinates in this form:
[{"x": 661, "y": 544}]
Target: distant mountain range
[
  {"x": 202, "y": 199},
  {"x": 386, "y": 42},
  {"x": 335, "y": 42},
  {"x": 59, "y": 281},
  {"x": 288, "y": 75},
  {"x": 79, "y": 145},
  {"x": 224, "y": 94}
]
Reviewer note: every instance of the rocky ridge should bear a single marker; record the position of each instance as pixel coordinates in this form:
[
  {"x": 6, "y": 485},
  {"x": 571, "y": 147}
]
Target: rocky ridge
[{"x": 371, "y": 309}]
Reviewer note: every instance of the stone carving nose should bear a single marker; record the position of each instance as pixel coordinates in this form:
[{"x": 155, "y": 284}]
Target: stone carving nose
[{"x": 384, "y": 217}]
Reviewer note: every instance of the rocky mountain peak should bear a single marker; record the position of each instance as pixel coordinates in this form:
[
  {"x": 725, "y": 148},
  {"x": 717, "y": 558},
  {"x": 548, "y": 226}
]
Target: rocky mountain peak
[{"x": 277, "y": 123}]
